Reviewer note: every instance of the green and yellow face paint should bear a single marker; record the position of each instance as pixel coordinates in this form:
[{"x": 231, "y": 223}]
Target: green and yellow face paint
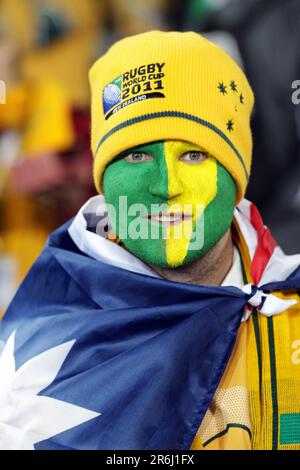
[{"x": 169, "y": 202}]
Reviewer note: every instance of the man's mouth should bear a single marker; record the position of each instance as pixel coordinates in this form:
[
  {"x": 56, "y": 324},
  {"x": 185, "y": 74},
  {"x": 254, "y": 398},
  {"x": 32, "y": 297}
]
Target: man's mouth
[{"x": 170, "y": 218}]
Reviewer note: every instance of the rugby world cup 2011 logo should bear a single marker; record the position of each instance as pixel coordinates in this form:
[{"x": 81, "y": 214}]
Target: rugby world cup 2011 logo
[{"x": 135, "y": 85}]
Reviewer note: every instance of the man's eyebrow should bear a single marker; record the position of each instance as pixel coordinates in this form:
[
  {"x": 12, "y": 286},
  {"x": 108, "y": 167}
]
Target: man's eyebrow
[
  {"x": 128, "y": 151},
  {"x": 145, "y": 147},
  {"x": 139, "y": 148}
]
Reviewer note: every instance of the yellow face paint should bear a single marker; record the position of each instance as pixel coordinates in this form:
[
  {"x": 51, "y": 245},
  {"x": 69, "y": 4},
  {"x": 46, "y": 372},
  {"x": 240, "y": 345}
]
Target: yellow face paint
[{"x": 191, "y": 184}]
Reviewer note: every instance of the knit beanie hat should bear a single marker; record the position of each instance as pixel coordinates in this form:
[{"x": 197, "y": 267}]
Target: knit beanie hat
[{"x": 171, "y": 86}]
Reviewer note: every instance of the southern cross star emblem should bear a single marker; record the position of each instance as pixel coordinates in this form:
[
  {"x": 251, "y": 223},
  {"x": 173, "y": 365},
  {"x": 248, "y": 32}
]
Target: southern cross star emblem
[
  {"x": 222, "y": 88},
  {"x": 229, "y": 125},
  {"x": 26, "y": 417},
  {"x": 233, "y": 86}
]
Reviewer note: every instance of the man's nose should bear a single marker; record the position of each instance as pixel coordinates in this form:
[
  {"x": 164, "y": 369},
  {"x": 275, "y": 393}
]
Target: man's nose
[{"x": 165, "y": 189}]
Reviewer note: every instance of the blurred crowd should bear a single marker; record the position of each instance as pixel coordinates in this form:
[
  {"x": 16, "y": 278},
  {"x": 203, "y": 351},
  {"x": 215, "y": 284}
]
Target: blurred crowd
[{"x": 46, "y": 49}]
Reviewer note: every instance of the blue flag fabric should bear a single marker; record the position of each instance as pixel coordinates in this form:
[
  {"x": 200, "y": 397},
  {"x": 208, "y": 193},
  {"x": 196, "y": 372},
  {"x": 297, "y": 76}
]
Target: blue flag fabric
[{"x": 147, "y": 354}]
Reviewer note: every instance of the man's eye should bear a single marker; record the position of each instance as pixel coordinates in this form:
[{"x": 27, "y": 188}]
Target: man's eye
[
  {"x": 193, "y": 157},
  {"x": 136, "y": 157}
]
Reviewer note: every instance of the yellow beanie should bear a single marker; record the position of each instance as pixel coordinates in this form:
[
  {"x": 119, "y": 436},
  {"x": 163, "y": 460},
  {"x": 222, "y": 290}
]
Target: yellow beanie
[{"x": 171, "y": 86}]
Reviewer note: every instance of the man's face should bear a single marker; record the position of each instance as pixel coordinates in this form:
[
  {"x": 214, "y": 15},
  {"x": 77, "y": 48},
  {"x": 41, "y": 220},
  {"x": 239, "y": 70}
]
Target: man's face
[{"x": 179, "y": 201}]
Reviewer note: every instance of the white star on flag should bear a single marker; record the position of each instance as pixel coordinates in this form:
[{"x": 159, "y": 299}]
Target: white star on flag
[{"x": 25, "y": 417}]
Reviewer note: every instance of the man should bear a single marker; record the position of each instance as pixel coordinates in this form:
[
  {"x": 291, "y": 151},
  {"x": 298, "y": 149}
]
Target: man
[{"x": 162, "y": 316}]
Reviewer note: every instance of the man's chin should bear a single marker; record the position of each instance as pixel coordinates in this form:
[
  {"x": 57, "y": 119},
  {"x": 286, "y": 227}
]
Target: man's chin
[
  {"x": 155, "y": 258},
  {"x": 190, "y": 259},
  {"x": 160, "y": 262}
]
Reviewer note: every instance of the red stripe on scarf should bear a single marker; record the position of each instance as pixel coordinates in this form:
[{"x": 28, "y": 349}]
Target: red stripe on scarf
[{"x": 265, "y": 246}]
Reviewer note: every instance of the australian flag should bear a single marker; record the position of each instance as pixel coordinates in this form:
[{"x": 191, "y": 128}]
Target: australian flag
[{"x": 93, "y": 356}]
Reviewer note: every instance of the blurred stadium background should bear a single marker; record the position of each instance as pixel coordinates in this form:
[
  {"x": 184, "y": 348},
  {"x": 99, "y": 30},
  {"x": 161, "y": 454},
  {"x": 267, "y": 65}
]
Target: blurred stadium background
[{"x": 46, "y": 49}]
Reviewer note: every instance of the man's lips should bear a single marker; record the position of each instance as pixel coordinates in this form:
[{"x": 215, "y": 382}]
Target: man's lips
[{"x": 170, "y": 218}]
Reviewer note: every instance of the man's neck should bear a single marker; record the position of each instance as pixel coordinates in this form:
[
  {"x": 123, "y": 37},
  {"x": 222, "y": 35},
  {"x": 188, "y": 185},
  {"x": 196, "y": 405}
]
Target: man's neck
[{"x": 210, "y": 269}]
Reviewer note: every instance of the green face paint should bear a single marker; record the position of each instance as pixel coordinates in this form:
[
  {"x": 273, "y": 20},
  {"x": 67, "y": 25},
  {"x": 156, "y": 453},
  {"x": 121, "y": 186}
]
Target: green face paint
[{"x": 187, "y": 203}]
